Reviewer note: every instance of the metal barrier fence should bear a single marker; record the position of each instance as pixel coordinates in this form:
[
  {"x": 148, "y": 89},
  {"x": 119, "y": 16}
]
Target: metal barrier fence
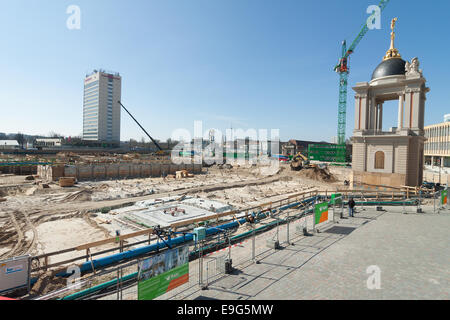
[{"x": 122, "y": 279}]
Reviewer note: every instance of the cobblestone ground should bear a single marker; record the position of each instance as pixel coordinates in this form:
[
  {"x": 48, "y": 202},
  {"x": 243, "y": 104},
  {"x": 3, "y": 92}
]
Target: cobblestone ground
[{"x": 411, "y": 251}]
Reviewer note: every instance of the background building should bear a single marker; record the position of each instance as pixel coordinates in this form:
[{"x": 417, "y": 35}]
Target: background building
[
  {"x": 101, "y": 110},
  {"x": 9, "y": 144},
  {"x": 48, "y": 142},
  {"x": 437, "y": 146}
]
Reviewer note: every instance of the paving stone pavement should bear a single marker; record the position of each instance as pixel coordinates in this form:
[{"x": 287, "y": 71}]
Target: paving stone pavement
[{"x": 412, "y": 252}]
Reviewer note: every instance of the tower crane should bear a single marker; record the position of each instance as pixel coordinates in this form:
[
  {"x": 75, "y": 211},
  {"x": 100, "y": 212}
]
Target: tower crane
[{"x": 343, "y": 69}]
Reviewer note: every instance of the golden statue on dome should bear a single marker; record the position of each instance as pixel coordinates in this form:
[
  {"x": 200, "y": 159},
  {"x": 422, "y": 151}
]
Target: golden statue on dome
[{"x": 392, "y": 52}]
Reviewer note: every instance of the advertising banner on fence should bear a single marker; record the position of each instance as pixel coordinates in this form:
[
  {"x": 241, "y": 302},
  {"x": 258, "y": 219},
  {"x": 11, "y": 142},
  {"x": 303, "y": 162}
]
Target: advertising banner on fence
[
  {"x": 321, "y": 213},
  {"x": 444, "y": 197},
  {"x": 163, "y": 272},
  {"x": 336, "y": 198}
]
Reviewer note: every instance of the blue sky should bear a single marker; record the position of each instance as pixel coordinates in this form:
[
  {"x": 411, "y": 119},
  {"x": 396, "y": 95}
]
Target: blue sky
[{"x": 260, "y": 64}]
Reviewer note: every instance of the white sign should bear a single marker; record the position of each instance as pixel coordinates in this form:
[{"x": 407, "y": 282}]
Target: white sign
[{"x": 14, "y": 273}]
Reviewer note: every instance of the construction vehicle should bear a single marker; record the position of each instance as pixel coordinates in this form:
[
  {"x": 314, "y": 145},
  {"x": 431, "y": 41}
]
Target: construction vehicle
[
  {"x": 342, "y": 68},
  {"x": 160, "y": 151},
  {"x": 300, "y": 161}
]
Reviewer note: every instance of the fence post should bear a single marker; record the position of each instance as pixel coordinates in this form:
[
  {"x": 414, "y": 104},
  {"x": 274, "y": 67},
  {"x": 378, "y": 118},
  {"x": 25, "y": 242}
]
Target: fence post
[
  {"x": 334, "y": 210},
  {"x": 278, "y": 230},
  {"x": 434, "y": 202},
  {"x": 117, "y": 286},
  {"x": 314, "y": 218},
  {"x": 200, "y": 263},
  {"x": 207, "y": 274},
  {"x": 446, "y": 188},
  {"x": 254, "y": 246},
  {"x": 121, "y": 284},
  {"x": 287, "y": 228},
  {"x": 404, "y": 209}
]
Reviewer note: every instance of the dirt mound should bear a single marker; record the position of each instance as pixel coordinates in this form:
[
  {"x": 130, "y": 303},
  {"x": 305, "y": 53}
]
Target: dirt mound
[
  {"x": 47, "y": 283},
  {"x": 82, "y": 195},
  {"x": 317, "y": 174},
  {"x": 31, "y": 191}
]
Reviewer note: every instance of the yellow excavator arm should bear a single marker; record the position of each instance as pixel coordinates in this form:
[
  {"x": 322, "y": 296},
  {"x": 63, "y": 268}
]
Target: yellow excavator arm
[{"x": 300, "y": 161}]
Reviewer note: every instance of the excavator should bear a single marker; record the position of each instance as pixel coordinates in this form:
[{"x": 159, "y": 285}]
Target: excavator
[{"x": 300, "y": 161}]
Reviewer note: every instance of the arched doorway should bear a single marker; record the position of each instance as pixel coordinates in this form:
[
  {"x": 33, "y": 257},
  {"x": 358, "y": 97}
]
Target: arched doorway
[{"x": 379, "y": 160}]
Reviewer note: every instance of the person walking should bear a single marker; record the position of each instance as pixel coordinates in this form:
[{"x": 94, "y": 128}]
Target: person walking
[{"x": 351, "y": 207}]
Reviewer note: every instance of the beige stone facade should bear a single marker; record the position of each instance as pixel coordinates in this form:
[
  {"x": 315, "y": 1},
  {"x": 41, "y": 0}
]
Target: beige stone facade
[{"x": 392, "y": 158}]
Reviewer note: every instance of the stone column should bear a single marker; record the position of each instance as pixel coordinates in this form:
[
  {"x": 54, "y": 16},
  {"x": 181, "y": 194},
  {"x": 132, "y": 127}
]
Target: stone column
[
  {"x": 358, "y": 111},
  {"x": 373, "y": 112},
  {"x": 400, "y": 111},
  {"x": 409, "y": 106},
  {"x": 380, "y": 117},
  {"x": 375, "y": 122}
]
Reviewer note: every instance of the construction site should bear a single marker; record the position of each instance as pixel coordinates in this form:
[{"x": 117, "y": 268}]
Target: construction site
[
  {"x": 59, "y": 222},
  {"x": 80, "y": 225}
]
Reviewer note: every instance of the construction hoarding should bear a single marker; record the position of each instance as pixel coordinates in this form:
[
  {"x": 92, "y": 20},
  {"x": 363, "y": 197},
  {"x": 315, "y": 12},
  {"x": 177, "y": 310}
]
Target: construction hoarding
[
  {"x": 327, "y": 152},
  {"x": 321, "y": 213},
  {"x": 163, "y": 272}
]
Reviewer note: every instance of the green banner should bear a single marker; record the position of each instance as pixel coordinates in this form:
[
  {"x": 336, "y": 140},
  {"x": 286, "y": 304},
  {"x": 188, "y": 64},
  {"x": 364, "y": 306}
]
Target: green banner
[
  {"x": 321, "y": 213},
  {"x": 444, "y": 194},
  {"x": 163, "y": 272},
  {"x": 336, "y": 198},
  {"x": 156, "y": 286}
]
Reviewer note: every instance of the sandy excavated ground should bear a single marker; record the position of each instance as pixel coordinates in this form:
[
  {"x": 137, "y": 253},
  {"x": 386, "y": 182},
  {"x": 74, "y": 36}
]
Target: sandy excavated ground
[{"x": 36, "y": 220}]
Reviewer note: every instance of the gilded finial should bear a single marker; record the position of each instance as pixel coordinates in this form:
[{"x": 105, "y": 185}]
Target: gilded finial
[{"x": 392, "y": 52}]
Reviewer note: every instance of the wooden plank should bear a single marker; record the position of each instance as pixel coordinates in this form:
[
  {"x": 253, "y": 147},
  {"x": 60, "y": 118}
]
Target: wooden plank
[{"x": 112, "y": 240}]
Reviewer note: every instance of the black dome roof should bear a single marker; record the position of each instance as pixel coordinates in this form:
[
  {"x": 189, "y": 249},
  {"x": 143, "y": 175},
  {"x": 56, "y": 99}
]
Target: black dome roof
[{"x": 390, "y": 67}]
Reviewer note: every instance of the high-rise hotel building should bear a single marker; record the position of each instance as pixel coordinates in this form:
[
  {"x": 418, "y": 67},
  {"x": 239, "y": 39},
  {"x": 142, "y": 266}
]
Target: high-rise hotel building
[{"x": 101, "y": 108}]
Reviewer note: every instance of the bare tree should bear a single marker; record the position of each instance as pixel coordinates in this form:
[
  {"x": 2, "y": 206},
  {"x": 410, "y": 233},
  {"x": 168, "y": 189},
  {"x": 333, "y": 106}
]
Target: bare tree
[{"x": 20, "y": 138}]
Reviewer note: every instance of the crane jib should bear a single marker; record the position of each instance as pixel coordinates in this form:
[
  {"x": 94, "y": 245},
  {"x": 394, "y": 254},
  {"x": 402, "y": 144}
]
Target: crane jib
[
  {"x": 364, "y": 29},
  {"x": 343, "y": 69}
]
